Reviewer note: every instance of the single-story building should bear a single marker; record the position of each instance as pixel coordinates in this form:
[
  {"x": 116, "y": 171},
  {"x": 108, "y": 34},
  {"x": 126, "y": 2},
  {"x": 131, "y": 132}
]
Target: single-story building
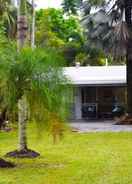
[{"x": 97, "y": 89}]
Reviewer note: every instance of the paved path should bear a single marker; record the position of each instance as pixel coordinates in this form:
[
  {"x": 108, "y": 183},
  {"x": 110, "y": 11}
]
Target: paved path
[{"x": 104, "y": 126}]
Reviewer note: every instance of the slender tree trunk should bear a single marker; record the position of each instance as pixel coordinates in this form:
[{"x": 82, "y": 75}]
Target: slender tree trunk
[
  {"x": 22, "y": 104},
  {"x": 33, "y": 25},
  {"x": 22, "y": 118},
  {"x": 22, "y": 26},
  {"x": 128, "y": 16}
]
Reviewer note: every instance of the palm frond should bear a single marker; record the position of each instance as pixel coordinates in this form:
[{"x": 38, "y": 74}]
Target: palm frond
[
  {"x": 121, "y": 32},
  {"x": 38, "y": 75}
]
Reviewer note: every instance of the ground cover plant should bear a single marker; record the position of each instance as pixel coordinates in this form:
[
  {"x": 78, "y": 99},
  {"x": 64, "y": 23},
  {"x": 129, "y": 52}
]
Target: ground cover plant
[{"x": 92, "y": 158}]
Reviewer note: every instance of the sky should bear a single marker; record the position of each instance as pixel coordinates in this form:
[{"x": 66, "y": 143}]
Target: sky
[{"x": 48, "y": 3}]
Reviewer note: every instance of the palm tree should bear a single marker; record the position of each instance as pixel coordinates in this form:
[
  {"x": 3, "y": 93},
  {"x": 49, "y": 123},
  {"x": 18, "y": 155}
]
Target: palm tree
[
  {"x": 29, "y": 75},
  {"x": 33, "y": 25},
  {"x": 22, "y": 28},
  {"x": 98, "y": 29},
  {"x": 34, "y": 80}
]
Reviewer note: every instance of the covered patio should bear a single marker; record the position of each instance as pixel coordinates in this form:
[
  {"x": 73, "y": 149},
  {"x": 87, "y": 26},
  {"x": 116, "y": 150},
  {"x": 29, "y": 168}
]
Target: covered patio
[{"x": 96, "y": 90}]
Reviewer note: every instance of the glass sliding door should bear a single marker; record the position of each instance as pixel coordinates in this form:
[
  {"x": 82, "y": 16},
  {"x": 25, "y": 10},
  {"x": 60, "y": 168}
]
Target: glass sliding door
[{"x": 89, "y": 105}]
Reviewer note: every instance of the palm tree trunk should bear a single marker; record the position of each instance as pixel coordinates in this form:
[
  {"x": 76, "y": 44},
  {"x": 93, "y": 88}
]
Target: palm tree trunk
[
  {"x": 128, "y": 17},
  {"x": 22, "y": 119},
  {"x": 33, "y": 25},
  {"x": 22, "y": 104},
  {"x": 22, "y": 26}
]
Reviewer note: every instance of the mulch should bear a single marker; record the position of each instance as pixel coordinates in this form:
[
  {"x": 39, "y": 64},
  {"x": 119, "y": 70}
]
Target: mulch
[
  {"x": 26, "y": 153},
  {"x": 6, "y": 164}
]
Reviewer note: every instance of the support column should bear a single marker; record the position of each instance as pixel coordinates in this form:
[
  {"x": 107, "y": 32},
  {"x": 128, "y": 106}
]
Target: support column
[
  {"x": 97, "y": 101},
  {"x": 78, "y": 104}
]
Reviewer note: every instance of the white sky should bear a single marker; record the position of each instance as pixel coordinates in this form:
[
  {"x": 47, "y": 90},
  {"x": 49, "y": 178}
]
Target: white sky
[{"x": 48, "y": 3}]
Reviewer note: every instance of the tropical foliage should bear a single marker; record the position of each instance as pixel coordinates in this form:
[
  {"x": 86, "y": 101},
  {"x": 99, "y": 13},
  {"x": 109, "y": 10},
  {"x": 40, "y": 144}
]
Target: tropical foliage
[
  {"x": 32, "y": 81},
  {"x": 53, "y": 28},
  {"x": 8, "y": 17},
  {"x": 71, "y": 6},
  {"x": 36, "y": 75}
]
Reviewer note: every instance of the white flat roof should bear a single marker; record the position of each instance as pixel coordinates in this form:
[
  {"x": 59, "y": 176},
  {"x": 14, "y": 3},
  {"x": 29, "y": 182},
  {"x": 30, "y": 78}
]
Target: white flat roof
[{"x": 96, "y": 75}]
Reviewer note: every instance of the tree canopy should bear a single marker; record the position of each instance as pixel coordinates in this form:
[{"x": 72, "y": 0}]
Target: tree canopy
[{"x": 54, "y": 28}]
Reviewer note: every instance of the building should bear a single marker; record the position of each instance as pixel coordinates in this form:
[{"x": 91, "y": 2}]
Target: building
[{"x": 97, "y": 89}]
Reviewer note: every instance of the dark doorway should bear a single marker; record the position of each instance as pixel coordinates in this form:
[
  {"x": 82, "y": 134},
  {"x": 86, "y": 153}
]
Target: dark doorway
[{"x": 98, "y": 102}]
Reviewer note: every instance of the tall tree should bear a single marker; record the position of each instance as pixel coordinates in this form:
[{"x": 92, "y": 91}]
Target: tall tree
[
  {"x": 32, "y": 74},
  {"x": 53, "y": 29},
  {"x": 22, "y": 104},
  {"x": 34, "y": 77},
  {"x": 33, "y": 25},
  {"x": 128, "y": 17}
]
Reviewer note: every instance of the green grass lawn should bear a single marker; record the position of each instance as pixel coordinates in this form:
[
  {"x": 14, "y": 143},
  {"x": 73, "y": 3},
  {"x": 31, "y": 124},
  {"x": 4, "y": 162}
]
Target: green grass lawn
[{"x": 93, "y": 158}]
